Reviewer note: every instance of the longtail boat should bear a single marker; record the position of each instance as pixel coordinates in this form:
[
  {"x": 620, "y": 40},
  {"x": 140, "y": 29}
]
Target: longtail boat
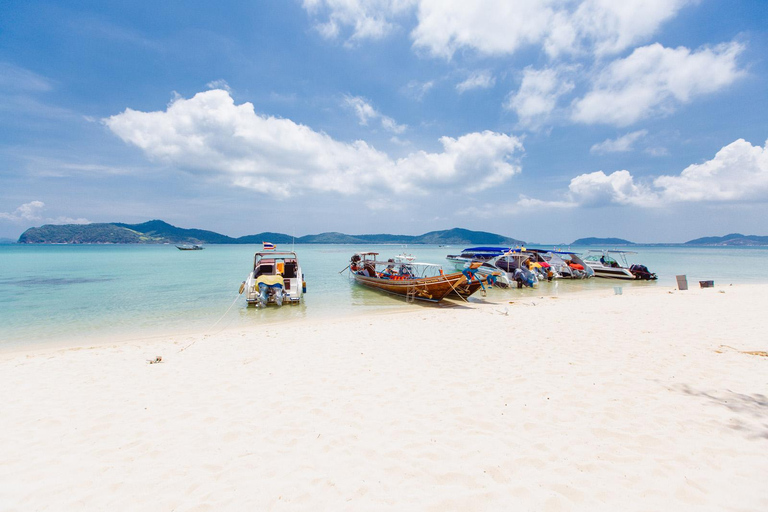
[{"x": 408, "y": 278}]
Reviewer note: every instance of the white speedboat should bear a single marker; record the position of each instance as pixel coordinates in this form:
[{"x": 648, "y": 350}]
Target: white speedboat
[
  {"x": 566, "y": 264},
  {"x": 276, "y": 277},
  {"x": 614, "y": 265}
]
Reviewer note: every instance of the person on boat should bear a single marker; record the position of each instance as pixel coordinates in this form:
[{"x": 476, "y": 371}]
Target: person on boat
[{"x": 390, "y": 271}]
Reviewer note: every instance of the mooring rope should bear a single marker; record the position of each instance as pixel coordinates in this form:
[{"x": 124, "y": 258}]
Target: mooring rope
[{"x": 206, "y": 333}]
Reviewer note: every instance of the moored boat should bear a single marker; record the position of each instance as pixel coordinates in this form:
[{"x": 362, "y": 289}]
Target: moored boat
[
  {"x": 409, "y": 279},
  {"x": 614, "y": 265},
  {"x": 484, "y": 256},
  {"x": 522, "y": 267},
  {"x": 276, "y": 277},
  {"x": 194, "y": 247},
  {"x": 565, "y": 264}
]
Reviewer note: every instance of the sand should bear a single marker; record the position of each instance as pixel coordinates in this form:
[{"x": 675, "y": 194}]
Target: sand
[{"x": 643, "y": 401}]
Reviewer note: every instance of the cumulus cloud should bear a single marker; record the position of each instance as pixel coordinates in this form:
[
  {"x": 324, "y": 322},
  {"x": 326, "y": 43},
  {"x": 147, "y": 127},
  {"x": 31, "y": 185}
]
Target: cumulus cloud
[
  {"x": 365, "y": 112},
  {"x": 654, "y": 80},
  {"x": 32, "y": 212},
  {"x": 619, "y": 145},
  {"x": 477, "y": 80},
  {"x": 500, "y": 27},
  {"x": 26, "y": 212},
  {"x": 210, "y": 135},
  {"x": 491, "y": 27},
  {"x": 599, "y": 189},
  {"x": 738, "y": 172},
  {"x": 607, "y": 27},
  {"x": 538, "y": 95}
]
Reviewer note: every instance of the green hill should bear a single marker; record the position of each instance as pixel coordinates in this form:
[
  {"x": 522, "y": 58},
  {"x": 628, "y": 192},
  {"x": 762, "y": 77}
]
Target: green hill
[
  {"x": 82, "y": 234},
  {"x": 160, "y": 232},
  {"x": 734, "y": 239}
]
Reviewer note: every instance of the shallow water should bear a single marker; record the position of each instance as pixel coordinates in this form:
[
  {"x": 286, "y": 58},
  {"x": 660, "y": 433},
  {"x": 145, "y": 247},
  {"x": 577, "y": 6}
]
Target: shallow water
[{"x": 61, "y": 293}]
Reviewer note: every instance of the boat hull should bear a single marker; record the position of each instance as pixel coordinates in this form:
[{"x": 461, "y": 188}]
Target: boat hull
[
  {"x": 430, "y": 289},
  {"x": 465, "y": 290},
  {"x": 613, "y": 273}
]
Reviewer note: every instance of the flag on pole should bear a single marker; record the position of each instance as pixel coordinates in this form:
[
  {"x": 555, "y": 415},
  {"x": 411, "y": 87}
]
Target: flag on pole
[{"x": 268, "y": 246}]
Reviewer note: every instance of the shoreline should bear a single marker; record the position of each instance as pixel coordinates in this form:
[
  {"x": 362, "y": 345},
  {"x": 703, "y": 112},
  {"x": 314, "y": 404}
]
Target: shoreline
[
  {"x": 645, "y": 400},
  {"x": 500, "y": 298},
  {"x": 398, "y": 306}
]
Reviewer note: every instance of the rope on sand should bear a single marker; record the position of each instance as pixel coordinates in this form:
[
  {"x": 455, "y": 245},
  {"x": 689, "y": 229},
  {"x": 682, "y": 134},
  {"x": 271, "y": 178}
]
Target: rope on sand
[{"x": 207, "y": 333}]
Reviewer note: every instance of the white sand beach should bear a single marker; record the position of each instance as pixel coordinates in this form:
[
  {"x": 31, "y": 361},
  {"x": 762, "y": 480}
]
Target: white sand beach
[{"x": 643, "y": 401}]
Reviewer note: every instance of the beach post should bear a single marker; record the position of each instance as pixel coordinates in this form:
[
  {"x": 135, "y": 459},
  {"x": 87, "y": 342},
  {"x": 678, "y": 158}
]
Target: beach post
[{"x": 682, "y": 282}]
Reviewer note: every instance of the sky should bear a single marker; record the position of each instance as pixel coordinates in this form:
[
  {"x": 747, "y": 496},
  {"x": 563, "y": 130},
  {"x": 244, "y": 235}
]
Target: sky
[{"x": 542, "y": 120}]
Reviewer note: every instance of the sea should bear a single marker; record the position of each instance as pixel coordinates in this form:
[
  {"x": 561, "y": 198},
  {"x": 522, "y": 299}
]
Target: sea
[{"x": 74, "y": 294}]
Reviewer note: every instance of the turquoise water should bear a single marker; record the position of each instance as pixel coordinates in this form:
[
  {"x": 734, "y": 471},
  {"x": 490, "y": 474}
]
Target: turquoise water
[{"x": 60, "y": 293}]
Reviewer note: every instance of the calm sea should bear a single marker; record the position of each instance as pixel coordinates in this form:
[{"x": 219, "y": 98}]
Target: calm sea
[{"x": 54, "y": 294}]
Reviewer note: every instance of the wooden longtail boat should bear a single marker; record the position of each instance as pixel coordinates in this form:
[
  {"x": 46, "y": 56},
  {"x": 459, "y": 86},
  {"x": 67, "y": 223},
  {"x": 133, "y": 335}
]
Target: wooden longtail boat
[{"x": 408, "y": 278}]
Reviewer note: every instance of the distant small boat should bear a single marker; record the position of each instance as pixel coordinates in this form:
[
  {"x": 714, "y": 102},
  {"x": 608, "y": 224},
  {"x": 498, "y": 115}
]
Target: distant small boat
[{"x": 194, "y": 247}]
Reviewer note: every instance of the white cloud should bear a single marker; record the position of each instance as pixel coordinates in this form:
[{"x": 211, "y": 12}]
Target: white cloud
[
  {"x": 32, "y": 212},
  {"x": 209, "y": 134},
  {"x": 657, "y": 151},
  {"x": 26, "y": 212},
  {"x": 477, "y": 80},
  {"x": 608, "y": 27},
  {"x": 417, "y": 90},
  {"x": 362, "y": 108},
  {"x": 738, "y": 172},
  {"x": 524, "y": 204},
  {"x": 365, "y": 112},
  {"x": 219, "y": 84},
  {"x": 491, "y": 27},
  {"x": 367, "y": 19},
  {"x": 619, "y": 145},
  {"x": 498, "y": 27},
  {"x": 654, "y": 80},
  {"x": 599, "y": 189},
  {"x": 538, "y": 95}
]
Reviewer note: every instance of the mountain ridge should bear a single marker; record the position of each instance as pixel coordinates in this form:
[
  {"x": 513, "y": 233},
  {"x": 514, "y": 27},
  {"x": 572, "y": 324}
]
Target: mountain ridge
[{"x": 161, "y": 232}]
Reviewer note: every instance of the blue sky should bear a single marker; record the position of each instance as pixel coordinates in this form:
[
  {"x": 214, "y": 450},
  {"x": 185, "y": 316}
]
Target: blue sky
[{"x": 542, "y": 120}]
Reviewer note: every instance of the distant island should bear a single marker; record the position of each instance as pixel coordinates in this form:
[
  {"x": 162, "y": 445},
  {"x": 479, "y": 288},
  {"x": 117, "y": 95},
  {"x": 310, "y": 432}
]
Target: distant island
[
  {"x": 734, "y": 239},
  {"x": 602, "y": 241},
  {"x": 160, "y": 232}
]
